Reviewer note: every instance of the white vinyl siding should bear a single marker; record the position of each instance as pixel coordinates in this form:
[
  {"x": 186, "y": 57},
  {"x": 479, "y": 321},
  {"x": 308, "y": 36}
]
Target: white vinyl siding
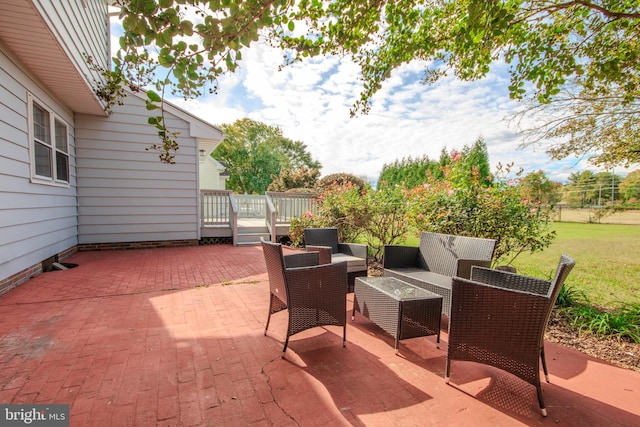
[
  {"x": 210, "y": 178},
  {"x": 125, "y": 194},
  {"x": 81, "y": 27},
  {"x": 53, "y": 40},
  {"x": 36, "y": 221}
]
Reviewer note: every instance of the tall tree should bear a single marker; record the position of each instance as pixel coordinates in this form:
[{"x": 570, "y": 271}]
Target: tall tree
[
  {"x": 604, "y": 127},
  {"x": 581, "y": 190},
  {"x": 476, "y": 160},
  {"x": 589, "y": 49},
  {"x": 538, "y": 188},
  {"x": 408, "y": 172},
  {"x": 470, "y": 166},
  {"x": 630, "y": 187},
  {"x": 254, "y": 152}
]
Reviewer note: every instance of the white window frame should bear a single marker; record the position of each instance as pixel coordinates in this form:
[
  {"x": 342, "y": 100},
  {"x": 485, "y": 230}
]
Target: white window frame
[{"x": 58, "y": 149}]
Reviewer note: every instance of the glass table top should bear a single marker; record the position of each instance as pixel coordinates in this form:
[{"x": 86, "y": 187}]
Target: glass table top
[{"x": 397, "y": 288}]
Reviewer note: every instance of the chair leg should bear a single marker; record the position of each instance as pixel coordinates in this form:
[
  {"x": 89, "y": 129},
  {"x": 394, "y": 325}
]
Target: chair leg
[
  {"x": 543, "y": 409},
  {"x": 447, "y": 371},
  {"x": 284, "y": 349},
  {"x": 344, "y": 335},
  {"x": 544, "y": 364},
  {"x": 269, "y": 315}
]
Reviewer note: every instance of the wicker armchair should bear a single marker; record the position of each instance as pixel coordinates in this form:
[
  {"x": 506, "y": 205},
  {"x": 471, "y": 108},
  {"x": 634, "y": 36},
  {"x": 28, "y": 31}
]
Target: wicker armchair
[
  {"x": 355, "y": 254},
  {"x": 314, "y": 295},
  {"x": 499, "y": 319}
]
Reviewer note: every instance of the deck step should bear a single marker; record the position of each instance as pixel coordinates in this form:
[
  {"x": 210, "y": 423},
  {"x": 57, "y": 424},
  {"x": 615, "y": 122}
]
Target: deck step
[{"x": 252, "y": 238}]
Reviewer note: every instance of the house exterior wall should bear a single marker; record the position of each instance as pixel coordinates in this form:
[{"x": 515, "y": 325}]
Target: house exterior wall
[
  {"x": 53, "y": 39},
  {"x": 125, "y": 194},
  {"x": 37, "y": 221},
  {"x": 117, "y": 190},
  {"x": 81, "y": 27},
  {"x": 210, "y": 178}
]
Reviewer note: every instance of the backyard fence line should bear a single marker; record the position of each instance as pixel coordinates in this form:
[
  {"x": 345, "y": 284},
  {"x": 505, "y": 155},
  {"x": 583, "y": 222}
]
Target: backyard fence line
[{"x": 595, "y": 215}]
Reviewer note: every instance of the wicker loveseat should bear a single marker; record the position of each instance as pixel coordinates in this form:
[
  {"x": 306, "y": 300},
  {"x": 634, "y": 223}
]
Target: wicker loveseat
[{"x": 438, "y": 258}]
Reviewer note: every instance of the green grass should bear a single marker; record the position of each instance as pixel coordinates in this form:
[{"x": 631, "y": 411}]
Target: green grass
[
  {"x": 607, "y": 270},
  {"x": 607, "y": 258}
]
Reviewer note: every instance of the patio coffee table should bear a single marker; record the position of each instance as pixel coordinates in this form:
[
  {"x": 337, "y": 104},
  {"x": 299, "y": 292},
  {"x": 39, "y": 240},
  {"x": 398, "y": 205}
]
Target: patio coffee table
[{"x": 399, "y": 308}]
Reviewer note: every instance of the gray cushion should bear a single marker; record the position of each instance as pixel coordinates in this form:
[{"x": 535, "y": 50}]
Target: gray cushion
[{"x": 353, "y": 263}]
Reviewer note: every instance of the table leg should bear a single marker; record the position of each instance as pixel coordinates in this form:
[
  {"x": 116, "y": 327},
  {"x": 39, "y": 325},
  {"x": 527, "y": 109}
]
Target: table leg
[{"x": 399, "y": 327}]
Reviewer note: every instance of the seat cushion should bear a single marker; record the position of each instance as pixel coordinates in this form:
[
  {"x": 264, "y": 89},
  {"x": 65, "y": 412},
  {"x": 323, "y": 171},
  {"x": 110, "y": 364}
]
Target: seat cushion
[
  {"x": 353, "y": 263},
  {"x": 417, "y": 275}
]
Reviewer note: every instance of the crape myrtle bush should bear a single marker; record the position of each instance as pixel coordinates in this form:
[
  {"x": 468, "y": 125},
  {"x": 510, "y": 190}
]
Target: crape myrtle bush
[
  {"x": 463, "y": 203},
  {"x": 338, "y": 179},
  {"x": 339, "y": 205}
]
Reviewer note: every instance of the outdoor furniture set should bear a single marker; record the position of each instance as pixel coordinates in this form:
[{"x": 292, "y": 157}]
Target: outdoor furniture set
[{"x": 496, "y": 318}]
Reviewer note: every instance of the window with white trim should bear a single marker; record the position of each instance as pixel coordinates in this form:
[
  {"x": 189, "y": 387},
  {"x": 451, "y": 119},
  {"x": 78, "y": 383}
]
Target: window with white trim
[{"x": 50, "y": 142}]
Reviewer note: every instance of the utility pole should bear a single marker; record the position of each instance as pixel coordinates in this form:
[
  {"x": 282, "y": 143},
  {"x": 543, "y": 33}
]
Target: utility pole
[
  {"x": 613, "y": 179},
  {"x": 599, "y": 195}
]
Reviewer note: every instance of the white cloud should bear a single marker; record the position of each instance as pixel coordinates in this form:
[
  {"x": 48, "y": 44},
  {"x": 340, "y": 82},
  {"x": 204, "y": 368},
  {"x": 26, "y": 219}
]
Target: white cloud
[{"x": 310, "y": 102}]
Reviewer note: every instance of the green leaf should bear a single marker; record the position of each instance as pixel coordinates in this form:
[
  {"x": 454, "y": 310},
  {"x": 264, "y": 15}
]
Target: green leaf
[
  {"x": 153, "y": 96},
  {"x": 187, "y": 28}
]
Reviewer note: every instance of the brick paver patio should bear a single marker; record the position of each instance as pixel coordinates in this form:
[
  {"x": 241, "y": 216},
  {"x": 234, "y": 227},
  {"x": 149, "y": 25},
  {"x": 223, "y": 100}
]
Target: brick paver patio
[{"x": 174, "y": 337}]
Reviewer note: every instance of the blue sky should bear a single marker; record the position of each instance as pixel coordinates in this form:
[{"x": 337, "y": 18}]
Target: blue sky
[{"x": 310, "y": 102}]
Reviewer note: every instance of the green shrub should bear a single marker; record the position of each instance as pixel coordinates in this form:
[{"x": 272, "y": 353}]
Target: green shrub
[
  {"x": 387, "y": 207},
  {"x": 570, "y": 296},
  {"x": 340, "y": 179},
  {"x": 464, "y": 205},
  {"x": 622, "y": 322}
]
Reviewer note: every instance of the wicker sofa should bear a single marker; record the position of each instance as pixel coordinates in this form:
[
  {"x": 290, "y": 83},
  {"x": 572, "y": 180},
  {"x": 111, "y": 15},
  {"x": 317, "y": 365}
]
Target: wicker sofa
[{"x": 438, "y": 258}]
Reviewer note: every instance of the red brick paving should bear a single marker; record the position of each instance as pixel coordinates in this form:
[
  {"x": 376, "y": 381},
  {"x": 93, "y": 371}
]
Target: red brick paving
[{"x": 174, "y": 337}]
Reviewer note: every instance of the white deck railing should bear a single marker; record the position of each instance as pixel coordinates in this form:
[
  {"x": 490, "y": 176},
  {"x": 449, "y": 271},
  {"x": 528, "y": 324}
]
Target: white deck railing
[
  {"x": 215, "y": 207},
  {"x": 250, "y": 205},
  {"x": 220, "y": 209},
  {"x": 291, "y": 205}
]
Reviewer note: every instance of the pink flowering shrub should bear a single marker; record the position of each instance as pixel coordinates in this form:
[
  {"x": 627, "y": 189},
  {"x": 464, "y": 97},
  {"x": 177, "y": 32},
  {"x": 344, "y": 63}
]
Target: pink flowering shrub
[
  {"x": 464, "y": 206},
  {"x": 307, "y": 220},
  {"x": 387, "y": 225},
  {"x": 339, "y": 205},
  {"x": 360, "y": 214}
]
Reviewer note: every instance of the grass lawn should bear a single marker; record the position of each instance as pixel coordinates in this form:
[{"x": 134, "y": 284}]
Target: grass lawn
[{"x": 607, "y": 261}]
